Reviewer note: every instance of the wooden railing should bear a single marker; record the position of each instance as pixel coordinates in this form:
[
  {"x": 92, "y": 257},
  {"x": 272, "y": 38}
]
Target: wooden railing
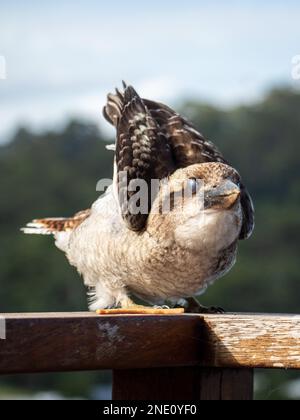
[{"x": 164, "y": 357}]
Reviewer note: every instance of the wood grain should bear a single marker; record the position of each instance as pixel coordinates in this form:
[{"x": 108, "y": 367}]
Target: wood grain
[
  {"x": 70, "y": 342},
  {"x": 85, "y": 341},
  {"x": 183, "y": 383},
  {"x": 255, "y": 341}
]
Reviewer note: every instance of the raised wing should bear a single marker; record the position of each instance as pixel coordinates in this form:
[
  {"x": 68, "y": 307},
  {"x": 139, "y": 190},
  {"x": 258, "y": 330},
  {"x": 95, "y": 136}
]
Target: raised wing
[
  {"x": 142, "y": 154},
  {"x": 152, "y": 142},
  {"x": 188, "y": 145}
]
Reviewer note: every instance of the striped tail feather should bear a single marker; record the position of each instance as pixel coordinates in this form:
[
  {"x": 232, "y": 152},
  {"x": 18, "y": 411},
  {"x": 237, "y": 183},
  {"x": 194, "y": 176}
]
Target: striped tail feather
[
  {"x": 50, "y": 226},
  {"x": 46, "y": 226}
]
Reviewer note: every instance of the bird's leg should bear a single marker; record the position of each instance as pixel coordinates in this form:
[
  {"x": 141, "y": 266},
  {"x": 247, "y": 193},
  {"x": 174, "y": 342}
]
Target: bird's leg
[
  {"x": 129, "y": 307},
  {"x": 191, "y": 305}
]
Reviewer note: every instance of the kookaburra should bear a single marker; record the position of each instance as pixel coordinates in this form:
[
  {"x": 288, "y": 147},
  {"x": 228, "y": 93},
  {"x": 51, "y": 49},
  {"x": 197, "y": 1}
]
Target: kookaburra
[{"x": 176, "y": 238}]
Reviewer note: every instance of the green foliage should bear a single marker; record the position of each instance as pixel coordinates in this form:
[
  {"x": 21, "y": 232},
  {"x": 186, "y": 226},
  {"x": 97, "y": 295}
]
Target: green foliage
[{"x": 55, "y": 174}]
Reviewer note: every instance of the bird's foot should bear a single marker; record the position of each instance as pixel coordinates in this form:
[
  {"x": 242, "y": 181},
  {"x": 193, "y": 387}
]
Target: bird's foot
[
  {"x": 129, "y": 307},
  {"x": 193, "y": 306},
  {"x": 210, "y": 310}
]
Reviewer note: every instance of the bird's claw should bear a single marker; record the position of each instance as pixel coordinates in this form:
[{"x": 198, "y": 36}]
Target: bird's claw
[
  {"x": 161, "y": 307},
  {"x": 194, "y": 307},
  {"x": 211, "y": 310}
]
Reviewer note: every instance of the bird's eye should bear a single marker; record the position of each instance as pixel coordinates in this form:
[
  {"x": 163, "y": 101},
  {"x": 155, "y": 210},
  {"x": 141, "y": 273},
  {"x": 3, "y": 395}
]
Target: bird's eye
[{"x": 192, "y": 185}]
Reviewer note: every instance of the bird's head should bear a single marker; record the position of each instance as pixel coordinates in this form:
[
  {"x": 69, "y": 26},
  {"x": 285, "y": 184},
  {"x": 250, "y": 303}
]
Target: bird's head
[
  {"x": 198, "y": 203},
  {"x": 219, "y": 185}
]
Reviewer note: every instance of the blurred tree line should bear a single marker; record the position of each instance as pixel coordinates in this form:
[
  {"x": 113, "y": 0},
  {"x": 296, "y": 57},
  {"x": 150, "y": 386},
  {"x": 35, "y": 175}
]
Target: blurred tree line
[{"x": 55, "y": 174}]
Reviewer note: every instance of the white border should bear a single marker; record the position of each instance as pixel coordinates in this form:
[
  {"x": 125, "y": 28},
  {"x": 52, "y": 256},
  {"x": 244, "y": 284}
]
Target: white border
[{"x": 2, "y": 328}]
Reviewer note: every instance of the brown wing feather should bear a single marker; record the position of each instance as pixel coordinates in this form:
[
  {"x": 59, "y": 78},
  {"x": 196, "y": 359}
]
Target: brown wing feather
[
  {"x": 189, "y": 145},
  {"x": 172, "y": 142},
  {"x": 248, "y": 214},
  {"x": 142, "y": 152}
]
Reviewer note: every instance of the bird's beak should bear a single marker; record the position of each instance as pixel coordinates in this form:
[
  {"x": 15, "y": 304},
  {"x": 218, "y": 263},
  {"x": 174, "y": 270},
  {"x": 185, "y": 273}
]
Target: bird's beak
[{"x": 223, "y": 196}]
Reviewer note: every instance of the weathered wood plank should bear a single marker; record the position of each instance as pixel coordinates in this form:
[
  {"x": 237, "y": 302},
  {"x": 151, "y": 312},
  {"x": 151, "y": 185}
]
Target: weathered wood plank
[
  {"x": 68, "y": 342},
  {"x": 183, "y": 383},
  {"x": 254, "y": 341},
  {"x": 226, "y": 384},
  {"x": 85, "y": 341}
]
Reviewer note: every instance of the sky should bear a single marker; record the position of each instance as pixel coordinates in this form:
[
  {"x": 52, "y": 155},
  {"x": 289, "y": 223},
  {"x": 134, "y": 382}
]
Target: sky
[{"x": 61, "y": 58}]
